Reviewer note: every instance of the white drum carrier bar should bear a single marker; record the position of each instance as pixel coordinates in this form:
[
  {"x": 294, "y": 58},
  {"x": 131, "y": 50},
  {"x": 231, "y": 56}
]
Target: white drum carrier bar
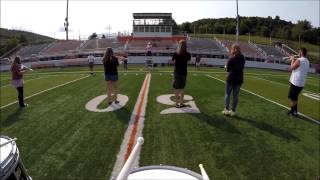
[{"x": 125, "y": 171}]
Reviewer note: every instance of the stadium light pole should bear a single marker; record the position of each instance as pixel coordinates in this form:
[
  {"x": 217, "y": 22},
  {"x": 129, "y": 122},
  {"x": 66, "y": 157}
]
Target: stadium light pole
[
  {"x": 66, "y": 24},
  {"x": 237, "y": 33}
]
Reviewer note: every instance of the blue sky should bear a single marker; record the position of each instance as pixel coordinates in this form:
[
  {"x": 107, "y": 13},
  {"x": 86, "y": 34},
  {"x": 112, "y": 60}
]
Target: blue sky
[{"x": 47, "y": 17}]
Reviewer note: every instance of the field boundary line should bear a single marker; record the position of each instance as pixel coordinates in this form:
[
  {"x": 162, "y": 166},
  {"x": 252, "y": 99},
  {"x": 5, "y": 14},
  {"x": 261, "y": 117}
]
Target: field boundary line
[
  {"x": 269, "y": 100},
  {"x": 134, "y": 129},
  {"x": 282, "y": 84},
  {"x": 45, "y": 91}
]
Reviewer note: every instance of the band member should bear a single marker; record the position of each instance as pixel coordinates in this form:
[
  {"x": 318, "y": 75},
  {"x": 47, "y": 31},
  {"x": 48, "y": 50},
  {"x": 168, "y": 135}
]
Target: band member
[
  {"x": 91, "y": 59},
  {"x": 17, "y": 71},
  {"x": 149, "y": 62},
  {"x": 198, "y": 60},
  {"x": 234, "y": 68},
  {"x": 125, "y": 63},
  {"x": 180, "y": 59},
  {"x": 111, "y": 63},
  {"x": 300, "y": 68}
]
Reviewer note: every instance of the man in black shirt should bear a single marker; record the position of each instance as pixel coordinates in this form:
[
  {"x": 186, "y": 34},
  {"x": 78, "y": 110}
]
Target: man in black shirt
[
  {"x": 235, "y": 68},
  {"x": 180, "y": 59}
]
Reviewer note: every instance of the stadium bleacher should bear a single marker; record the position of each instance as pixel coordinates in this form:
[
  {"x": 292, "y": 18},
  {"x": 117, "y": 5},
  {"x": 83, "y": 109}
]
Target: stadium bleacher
[
  {"x": 28, "y": 51},
  {"x": 205, "y": 46},
  {"x": 246, "y": 49},
  {"x": 61, "y": 47},
  {"x": 157, "y": 45},
  {"x": 271, "y": 51}
]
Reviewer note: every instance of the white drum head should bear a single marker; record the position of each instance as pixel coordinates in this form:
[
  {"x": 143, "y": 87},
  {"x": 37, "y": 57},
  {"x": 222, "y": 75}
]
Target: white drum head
[
  {"x": 163, "y": 173},
  {"x": 7, "y": 149}
]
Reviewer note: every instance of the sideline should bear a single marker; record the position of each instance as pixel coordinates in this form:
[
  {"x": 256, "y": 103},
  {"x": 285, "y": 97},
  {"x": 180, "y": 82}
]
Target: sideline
[{"x": 250, "y": 92}]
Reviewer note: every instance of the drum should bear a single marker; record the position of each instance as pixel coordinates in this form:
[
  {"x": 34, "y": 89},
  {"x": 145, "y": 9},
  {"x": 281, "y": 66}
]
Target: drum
[
  {"x": 163, "y": 173},
  {"x": 10, "y": 163}
]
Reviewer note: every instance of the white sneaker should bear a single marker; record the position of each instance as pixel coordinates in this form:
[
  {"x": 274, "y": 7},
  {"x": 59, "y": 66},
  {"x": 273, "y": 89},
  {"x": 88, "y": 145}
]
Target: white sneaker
[
  {"x": 232, "y": 113},
  {"x": 226, "y": 112}
]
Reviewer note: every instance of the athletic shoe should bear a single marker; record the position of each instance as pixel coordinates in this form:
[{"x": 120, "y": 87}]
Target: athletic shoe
[
  {"x": 225, "y": 112},
  {"x": 232, "y": 113},
  {"x": 25, "y": 105},
  {"x": 292, "y": 113},
  {"x": 177, "y": 105},
  {"x": 295, "y": 113},
  {"x": 182, "y": 105}
]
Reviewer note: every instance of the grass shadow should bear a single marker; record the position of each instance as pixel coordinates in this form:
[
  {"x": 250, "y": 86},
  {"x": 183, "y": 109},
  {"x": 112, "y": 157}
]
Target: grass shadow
[
  {"x": 12, "y": 118},
  {"x": 123, "y": 114},
  {"x": 218, "y": 122},
  {"x": 270, "y": 129}
]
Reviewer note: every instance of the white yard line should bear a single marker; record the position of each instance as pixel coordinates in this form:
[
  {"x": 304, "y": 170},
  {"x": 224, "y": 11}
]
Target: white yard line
[
  {"x": 279, "y": 83},
  {"x": 250, "y": 92},
  {"x": 134, "y": 129},
  {"x": 45, "y": 91}
]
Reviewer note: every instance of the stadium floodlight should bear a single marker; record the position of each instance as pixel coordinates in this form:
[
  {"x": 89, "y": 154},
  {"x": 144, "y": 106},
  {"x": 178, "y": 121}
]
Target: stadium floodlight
[
  {"x": 237, "y": 28},
  {"x": 66, "y": 24}
]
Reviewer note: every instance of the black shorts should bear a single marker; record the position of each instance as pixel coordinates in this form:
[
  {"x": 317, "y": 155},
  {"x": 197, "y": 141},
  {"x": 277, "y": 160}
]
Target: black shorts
[
  {"x": 179, "y": 82},
  {"x": 149, "y": 53},
  {"x": 294, "y": 92}
]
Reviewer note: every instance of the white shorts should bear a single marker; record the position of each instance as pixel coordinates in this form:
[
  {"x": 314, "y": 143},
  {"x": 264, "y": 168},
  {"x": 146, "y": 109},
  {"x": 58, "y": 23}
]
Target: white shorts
[{"x": 17, "y": 83}]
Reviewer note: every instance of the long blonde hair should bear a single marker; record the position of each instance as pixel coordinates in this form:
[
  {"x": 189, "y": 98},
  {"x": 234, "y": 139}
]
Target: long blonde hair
[
  {"x": 182, "y": 47},
  {"x": 235, "y": 50},
  {"x": 107, "y": 55}
]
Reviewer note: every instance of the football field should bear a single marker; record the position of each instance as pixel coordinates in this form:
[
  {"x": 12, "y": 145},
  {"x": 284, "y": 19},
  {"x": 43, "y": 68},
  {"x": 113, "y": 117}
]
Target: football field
[{"x": 59, "y": 138}]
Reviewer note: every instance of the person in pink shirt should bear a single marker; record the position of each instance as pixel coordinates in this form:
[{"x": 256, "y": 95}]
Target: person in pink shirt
[{"x": 17, "y": 71}]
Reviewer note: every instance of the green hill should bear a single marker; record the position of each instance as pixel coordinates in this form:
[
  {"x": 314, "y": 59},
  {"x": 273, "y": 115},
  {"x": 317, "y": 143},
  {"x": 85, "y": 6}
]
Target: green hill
[
  {"x": 313, "y": 50},
  {"x": 9, "y": 39}
]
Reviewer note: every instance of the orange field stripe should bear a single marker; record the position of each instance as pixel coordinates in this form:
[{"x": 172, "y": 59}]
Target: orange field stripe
[{"x": 136, "y": 120}]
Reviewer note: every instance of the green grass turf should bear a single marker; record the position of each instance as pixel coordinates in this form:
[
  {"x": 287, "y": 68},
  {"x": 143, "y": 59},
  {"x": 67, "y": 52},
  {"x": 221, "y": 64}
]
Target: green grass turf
[
  {"x": 59, "y": 139},
  {"x": 261, "y": 143},
  {"x": 9, "y": 94},
  {"x": 310, "y": 85}
]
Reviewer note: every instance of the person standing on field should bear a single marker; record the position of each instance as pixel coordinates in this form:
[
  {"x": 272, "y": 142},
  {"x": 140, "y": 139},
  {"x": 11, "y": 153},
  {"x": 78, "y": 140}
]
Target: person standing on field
[
  {"x": 17, "y": 71},
  {"x": 180, "y": 59},
  {"x": 299, "y": 71},
  {"x": 91, "y": 59},
  {"x": 110, "y": 63},
  {"x": 234, "y": 68}
]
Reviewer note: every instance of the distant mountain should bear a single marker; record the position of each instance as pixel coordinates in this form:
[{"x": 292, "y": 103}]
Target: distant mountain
[{"x": 9, "y": 39}]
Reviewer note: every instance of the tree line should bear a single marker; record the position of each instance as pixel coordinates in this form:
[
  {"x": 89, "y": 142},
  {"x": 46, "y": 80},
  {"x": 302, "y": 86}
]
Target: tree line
[{"x": 267, "y": 27}]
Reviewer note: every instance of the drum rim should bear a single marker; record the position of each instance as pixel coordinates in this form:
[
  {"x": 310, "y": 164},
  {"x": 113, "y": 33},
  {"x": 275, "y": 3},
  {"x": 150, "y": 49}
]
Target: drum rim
[
  {"x": 13, "y": 151},
  {"x": 165, "y": 167},
  {"x": 10, "y": 163}
]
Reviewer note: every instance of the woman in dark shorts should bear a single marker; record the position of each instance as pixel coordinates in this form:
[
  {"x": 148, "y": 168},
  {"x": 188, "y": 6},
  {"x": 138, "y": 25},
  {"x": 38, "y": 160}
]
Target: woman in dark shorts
[
  {"x": 180, "y": 59},
  {"x": 110, "y": 63}
]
